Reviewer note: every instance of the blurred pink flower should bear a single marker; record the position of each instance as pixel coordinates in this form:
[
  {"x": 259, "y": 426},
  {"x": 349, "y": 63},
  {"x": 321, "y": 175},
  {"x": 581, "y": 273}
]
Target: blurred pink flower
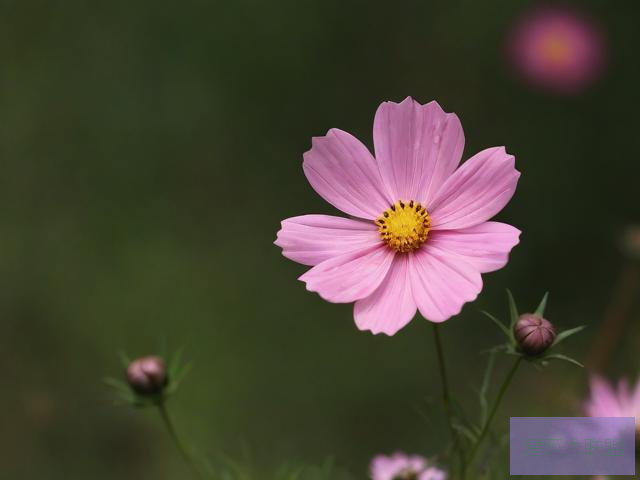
[
  {"x": 605, "y": 401},
  {"x": 558, "y": 49},
  {"x": 422, "y": 237},
  {"x": 400, "y": 466}
]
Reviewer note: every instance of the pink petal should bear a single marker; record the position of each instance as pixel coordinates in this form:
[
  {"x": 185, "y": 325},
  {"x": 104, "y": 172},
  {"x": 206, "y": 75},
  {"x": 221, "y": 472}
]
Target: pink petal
[
  {"x": 391, "y": 306},
  {"x": 603, "y": 401},
  {"x": 433, "y": 473},
  {"x": 442, "y": 283},
  {"x": 624, "y": 396},
  {"x": 636, "y": 400},
  {"x": 478, "y": 190},
  {"x": 351, "y": 276},
  {"x": 311, "y": 239},
  {"x": 485, "y": 246},
  {"x": 384, "y": 467},
  {"x": 417, "y": 147},
  {"x": 344, "y": 173}
]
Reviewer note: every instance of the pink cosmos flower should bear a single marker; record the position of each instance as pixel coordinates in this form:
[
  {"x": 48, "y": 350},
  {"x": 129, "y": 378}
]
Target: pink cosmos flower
[
  {"x": 558, "y": 49},
  {"x": 400, "y": 466},
  {"x": 605, "y": 401},
  {"x": 419, "y": 236}
]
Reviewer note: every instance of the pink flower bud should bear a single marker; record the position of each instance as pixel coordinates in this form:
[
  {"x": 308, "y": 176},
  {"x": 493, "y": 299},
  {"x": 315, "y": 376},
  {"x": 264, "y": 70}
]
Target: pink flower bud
[
  {"x": 534, "y": 334},
  {"x": 147, "y": 375}
]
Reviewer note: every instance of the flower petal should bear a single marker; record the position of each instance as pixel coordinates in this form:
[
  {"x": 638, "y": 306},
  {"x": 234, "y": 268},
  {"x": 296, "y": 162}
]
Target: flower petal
[
  {"x": 391, "y": 306},
  {"x": 478, "y": 190},
  {"x": 351, "y": 276},
  {"x": 485, "y": 246},
  {"x": 385, "y": 467},
  {"x": 433, "y": 473},
  {"x": 603, "y": 401},
  {"x": 442, "y": 283},
  {"x": 417, "y": 147},
  {"x": 311, "y": 239},
  {"x": 343, "y": 172}
]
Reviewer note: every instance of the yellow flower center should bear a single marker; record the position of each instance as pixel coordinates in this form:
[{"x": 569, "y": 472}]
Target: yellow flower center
[
  {"x": 556, "y": 49},
  {"x": 405, "y": 226}
]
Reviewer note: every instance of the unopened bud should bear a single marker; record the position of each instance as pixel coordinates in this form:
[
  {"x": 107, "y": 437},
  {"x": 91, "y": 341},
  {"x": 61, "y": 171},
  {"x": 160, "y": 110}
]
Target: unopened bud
[
  {"x": 534, "y": 334},
  {"x": 147, "y": 375}
]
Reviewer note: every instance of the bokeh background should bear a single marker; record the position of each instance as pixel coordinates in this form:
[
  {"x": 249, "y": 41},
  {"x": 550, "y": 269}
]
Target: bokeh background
[{"x": 149, "y": 150}]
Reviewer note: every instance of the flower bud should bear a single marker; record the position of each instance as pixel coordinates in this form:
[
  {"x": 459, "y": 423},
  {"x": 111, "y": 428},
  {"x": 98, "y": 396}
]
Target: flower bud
[
  {"x": 534, "y": 334},
  {"x": 147, "y": 375}
]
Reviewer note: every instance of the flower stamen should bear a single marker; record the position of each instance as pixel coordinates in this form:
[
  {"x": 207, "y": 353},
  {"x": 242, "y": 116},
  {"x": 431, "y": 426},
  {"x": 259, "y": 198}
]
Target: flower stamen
[{"x": 404, "y": 227}]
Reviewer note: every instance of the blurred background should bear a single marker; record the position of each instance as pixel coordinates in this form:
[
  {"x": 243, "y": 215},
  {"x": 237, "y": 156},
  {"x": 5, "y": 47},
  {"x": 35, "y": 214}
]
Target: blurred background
[{"x": 149, "y": 152}]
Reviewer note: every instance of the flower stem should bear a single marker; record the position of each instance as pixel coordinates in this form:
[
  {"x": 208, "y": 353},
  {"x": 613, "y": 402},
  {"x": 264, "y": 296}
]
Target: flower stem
[
  {"x": 616, "y": 317},
  {"x": 168, "y": 423},
  {"x": 494, "y": 409},
  {"x": 446, "y": 396}
]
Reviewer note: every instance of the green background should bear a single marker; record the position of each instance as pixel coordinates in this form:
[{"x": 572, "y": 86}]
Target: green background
[{"x": 149, "y": 151}]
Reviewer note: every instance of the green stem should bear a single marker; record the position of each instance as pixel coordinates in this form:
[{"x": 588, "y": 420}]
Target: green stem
[
  {"x": 166, "y": 419},
  {"x": 494, "y": 409},
  {"x": 446, "y": 397}
]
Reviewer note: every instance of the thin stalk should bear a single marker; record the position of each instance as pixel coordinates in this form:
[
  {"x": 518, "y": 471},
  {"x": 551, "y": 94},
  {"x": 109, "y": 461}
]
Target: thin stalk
[
  {"x": 616, "y": 317},
  {"x": 494, "y": 409},
  {"x": 168, "y": 423},
  {"x": 446, "y": 396}
]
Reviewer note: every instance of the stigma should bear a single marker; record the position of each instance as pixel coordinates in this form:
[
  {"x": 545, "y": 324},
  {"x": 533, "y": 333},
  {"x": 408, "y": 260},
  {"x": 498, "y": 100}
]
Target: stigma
[{"x": 404, "y": 226}]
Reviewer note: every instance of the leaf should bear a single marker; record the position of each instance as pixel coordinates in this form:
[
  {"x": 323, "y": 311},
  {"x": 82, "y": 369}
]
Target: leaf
[
  {"x": 543, "y": 305},
  {"x": 513, "y": 311},
  {"x": 117, "y": 384},
  {"x": 567, "y": 333},
  {"x": 174, "y": 363},
  {"x": 123, "y": 393},
  {"x": 498, "y": 348},
  {"x": 500, "y": 325},
  {"x": 466, "y": 432},
  {"x": 124, "y": 359},
  {"x": 235, "y": 469},
  {"x": 559, "y": 356},
  {"x": 485, "y": 387},
  {"x": 178, "y": 377}
]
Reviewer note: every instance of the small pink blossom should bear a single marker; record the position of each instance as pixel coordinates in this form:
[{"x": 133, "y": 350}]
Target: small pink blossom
[
  {"x": 606, "y": 401},
  {"x": 557, "y": 48},
  {"x": 400, "y": 466},
  {"x": 418, "y": 235}
]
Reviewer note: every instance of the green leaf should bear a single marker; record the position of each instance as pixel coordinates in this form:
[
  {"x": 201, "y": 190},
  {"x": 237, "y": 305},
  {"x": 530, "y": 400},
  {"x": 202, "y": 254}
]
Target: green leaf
[
  {"x": 465, "y": 432},
  {"x": 485, "y": 387},
  {"x": 538, "y": 364},
  {"x": 236, "y": 469},
  {"x": 124, "y": 359},
  {"x": 174, "y": 363},
  {"x": 513, "y": 311},
  {"x": 498, "y": 348},
  {"x": 117, "y": 384},
  {"x": 543, "y": 305},
  {"x": 558, "y": 356},
  {"x": 500, "y": 325},
  {"x": 178, "y": 377},
  {"x": 567, "y": 333}
]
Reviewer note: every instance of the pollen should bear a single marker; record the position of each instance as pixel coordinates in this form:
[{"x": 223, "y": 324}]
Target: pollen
[{"x": 404, "y": 226}]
